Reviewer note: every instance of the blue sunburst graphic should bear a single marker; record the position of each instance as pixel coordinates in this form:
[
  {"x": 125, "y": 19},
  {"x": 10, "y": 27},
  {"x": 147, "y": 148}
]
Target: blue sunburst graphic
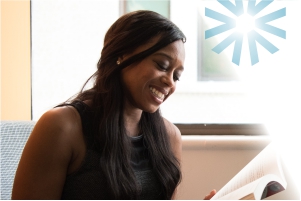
[{"x": 261, "y": 23}]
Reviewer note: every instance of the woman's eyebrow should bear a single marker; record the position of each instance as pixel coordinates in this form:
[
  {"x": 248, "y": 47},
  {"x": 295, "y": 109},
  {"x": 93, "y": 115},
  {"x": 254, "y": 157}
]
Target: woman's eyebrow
[{"x": 164, "y": 54}]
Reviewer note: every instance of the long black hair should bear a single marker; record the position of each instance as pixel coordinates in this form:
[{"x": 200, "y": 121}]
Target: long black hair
[{"x": 128, "y": 33}]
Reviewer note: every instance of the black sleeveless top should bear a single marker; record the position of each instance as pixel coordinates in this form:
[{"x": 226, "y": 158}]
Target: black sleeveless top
[{"x": 89, "y": 182}]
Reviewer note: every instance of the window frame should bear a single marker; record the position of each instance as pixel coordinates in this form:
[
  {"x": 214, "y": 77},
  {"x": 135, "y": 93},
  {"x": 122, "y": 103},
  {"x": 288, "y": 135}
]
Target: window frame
[{"x": 223, "y": 129}]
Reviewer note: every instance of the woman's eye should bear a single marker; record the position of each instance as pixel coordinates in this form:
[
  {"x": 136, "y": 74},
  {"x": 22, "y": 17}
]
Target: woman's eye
[
  {"x": 176, "y": 78},
  {"x": 162, "y": 67}
]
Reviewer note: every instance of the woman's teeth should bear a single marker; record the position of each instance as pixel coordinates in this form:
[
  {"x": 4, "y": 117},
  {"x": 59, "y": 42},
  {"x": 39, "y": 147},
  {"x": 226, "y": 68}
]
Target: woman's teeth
[{"x": 157, "y": 93}]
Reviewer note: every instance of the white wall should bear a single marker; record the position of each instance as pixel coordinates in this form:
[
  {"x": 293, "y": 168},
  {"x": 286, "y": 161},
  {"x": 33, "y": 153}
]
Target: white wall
[{"x": 67, "y": 38}]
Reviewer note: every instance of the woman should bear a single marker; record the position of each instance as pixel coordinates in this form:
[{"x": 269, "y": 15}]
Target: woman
[{"x": 110, "y": 141}]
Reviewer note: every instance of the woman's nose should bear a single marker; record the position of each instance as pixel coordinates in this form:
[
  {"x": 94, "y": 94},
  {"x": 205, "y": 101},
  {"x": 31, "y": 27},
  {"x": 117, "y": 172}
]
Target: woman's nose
[{"x": 168, "y": 80}]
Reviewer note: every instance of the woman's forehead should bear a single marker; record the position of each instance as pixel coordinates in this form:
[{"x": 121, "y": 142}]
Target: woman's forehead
[{"x": 174, "y": 52}]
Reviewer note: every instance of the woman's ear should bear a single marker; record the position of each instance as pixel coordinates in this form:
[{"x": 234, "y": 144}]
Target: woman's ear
[{"x": 120, "y": 60}]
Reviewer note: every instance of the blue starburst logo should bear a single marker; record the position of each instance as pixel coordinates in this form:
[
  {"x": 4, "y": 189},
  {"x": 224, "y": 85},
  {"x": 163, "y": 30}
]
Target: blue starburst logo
[{"x": 245, "y": 21}]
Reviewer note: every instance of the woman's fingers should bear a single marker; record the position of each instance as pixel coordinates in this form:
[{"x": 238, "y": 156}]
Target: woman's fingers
[{"x": 210, "y": 195}]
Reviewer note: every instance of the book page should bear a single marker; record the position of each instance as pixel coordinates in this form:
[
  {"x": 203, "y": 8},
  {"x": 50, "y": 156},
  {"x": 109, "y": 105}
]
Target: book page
[
  {"x": 266, "y": 162},
  {"x": 258, "y": 189},
  {"x": 241, "y": 192}
]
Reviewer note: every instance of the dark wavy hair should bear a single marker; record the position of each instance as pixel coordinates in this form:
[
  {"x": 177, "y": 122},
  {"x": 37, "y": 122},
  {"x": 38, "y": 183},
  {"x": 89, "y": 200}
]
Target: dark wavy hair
[{"x": 128, "y": 33}]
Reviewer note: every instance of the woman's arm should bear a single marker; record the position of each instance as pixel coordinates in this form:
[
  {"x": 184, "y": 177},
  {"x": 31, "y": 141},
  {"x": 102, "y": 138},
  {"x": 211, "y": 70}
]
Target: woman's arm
[
  {"x": 45, "y": 159},
  {"x": 175, "y": 139},
  {"x": 176, "y": 145},
  {"x": 175, "y": 142}
]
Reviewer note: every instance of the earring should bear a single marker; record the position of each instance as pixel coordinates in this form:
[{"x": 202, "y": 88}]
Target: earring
[{"x": 118, "y": 62}]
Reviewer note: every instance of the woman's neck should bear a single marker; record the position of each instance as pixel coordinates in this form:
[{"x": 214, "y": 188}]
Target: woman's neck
[{"x": 132, "y": 118}]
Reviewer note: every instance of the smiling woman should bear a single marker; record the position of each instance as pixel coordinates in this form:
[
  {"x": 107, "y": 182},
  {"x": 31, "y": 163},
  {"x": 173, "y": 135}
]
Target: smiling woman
[
  {"x": 158, "y": 75},
  {"x": 110, "y": 141}
]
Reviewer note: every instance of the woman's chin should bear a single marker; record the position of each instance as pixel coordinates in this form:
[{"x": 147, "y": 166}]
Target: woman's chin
[{"x": 151, "y": 110}]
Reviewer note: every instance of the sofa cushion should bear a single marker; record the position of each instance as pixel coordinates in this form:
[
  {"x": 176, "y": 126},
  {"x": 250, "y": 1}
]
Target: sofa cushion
[{"x": 13, "y": 136}]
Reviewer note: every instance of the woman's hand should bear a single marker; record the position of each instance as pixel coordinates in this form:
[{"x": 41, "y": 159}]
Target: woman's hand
[{"x": 210, "y": 195}]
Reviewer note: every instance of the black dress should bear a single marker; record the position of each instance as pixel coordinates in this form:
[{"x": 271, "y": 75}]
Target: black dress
[{"x": 89, "y": 181}]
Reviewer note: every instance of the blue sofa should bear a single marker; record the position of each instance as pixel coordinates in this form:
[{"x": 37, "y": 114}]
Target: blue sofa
[{"x": 13, "y": 136}]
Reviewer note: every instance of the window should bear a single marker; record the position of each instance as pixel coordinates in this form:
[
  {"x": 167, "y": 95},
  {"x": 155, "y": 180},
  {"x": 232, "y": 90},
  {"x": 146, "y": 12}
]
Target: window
[
  {"x": 211, "y": 66},
  {"x": 162, "y": 7}
]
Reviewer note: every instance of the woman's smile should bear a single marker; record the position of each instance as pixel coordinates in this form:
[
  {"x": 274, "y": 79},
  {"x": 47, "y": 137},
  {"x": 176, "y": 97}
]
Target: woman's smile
[
  {"x": 159, "y": 97},
  {"x": 155, "y": 82}
]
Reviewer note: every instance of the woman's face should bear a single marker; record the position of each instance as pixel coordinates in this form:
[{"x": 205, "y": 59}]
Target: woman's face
[{"x": 149, "y": 83}]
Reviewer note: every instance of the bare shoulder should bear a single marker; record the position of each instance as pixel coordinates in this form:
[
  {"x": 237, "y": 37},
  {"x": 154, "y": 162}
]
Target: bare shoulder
[
  {"x": 172, "y": 130},
  {"x": 60, "y": 127},
  {"x": 47, "y": 155},
  {"x": 61, "y": 118},
  {"x": 175, "y": 138},
  {"x": 175, "y": 141},
  {"x": 56, "y": 129}
]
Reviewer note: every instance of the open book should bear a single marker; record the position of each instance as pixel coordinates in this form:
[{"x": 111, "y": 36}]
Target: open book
[{"x": 260, "y": 178}]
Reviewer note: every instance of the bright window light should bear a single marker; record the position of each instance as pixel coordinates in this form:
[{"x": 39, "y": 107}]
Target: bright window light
[{"x": 245, "y": 23}]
